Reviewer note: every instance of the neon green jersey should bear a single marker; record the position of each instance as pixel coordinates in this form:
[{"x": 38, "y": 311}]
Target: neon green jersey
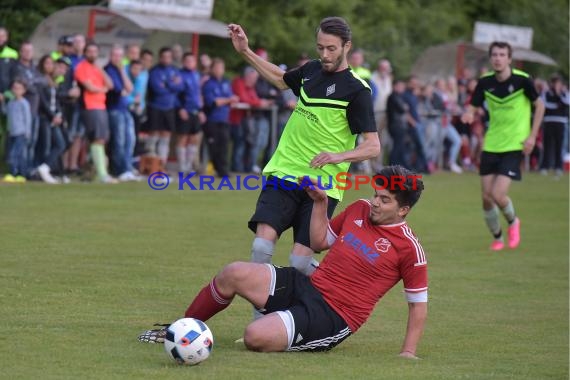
[
  {"x": 509, "y": 107},
  {"x": 332, "y": 109}
]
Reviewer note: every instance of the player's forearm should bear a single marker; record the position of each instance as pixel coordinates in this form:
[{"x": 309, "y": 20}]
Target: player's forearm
[
  {"x": 319, "y": 225},
  {"x": 416, "y": 320},
  {"x": 370, "y": 148},
  {"x": 537, "y": 118},
  {"x": 266, "y": 69}
]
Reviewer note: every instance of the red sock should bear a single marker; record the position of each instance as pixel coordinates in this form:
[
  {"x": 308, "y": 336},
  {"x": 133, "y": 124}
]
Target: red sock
[{"x": 207, "y": 303}]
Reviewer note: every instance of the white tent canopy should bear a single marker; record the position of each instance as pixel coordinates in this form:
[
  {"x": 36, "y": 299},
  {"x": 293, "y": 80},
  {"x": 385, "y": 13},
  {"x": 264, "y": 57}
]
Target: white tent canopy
[{"x": 122, "y": 27}]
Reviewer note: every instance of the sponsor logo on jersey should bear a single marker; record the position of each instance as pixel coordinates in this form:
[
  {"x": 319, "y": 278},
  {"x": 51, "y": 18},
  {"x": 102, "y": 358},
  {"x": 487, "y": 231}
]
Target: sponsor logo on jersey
[
  {"x": 358, "y": 222},
  {"x": 331, "y": 89},
  {"x": 511, "y": 88},
  {"x": 360, "y": 247},
  {"x": 382, "y": 245}
]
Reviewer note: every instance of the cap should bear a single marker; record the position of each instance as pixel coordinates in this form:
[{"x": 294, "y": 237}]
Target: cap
[
  {"x": 65, "y": 40},
  {"x": 65, "y": 60}
]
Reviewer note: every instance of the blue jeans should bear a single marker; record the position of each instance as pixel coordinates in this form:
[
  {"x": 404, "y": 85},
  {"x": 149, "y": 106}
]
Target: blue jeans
[
  {"x": 57, "y": 146},
  {"x": 454, "y": 138},
  {"x": 122, "y": 141},
  {"x": 32, "y": 142},
  {"x": 260, "y": 140},
  {"x": 18, "y": 155},
  {"x": 237, "y": 133},
  {"x": 417, "y": 136}
]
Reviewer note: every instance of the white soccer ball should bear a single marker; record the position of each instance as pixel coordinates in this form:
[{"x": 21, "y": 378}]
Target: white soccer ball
[{"x": 188, "y": 341}]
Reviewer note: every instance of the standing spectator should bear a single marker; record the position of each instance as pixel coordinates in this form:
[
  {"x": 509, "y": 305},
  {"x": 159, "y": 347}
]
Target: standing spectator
[
  {"x": 218, "y": 97},
  {"x": 25, "y": 70},
  {"x": 51, "y": 141},
  {"x": 261, "y": 132},
  {"x": 133, "y": 53},
  {"x": 241, "y": 119},
  {"x": 136, "y": 100},
  {"x": 450, "y": 132},
  {"x": 71, "y": 160},
  {"x": 205, "y": 67},
  {"x": 95, "y": 83},
  {"x": 555, "y": 120},
  {"x": 177, "y": 55},
  {"x": 356, "y": 62},
  {"x": 164, "y": 83},
  {"x": 7, "y": 57},
  {"x": 78, "y": 50},
  {"x": 382, "y": 81},
  {"x": 141, "y": 87},
  {"x": 190, "y": 115},
  {"x": 397, "y": 116},
  {"x": 415, "y": 126},
  {"x": 121, "y": 122},
  {"x": 19, "y": 131}
]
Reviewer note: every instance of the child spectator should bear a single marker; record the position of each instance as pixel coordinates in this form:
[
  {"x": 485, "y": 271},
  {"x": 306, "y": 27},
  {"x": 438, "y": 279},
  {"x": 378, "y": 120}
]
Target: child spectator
[{"x": 19, "y": 118}]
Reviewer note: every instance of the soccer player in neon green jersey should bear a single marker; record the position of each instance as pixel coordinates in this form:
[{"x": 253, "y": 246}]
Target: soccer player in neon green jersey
[
  {"x": 335, "y": 105},
  {"x": 509, "y": 95}
]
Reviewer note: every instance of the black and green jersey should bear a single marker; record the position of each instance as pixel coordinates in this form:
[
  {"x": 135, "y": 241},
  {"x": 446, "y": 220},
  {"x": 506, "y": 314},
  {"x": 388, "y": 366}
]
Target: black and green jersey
[
  {"x": 509, "y": 107},
  {"x": 332, "y": 109}
]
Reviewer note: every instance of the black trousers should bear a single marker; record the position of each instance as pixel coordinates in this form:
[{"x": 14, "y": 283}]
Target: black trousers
[
  {"x": 553, "y": 135},
  {"x": 217, "y": 137}
]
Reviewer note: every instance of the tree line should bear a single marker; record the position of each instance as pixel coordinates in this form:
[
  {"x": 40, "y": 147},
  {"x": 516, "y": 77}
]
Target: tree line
[{"x": 399, "y": 30}]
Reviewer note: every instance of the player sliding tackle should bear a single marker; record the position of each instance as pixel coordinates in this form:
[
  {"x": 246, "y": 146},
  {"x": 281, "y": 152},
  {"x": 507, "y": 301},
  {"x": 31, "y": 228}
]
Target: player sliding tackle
[{"x": 371, "y": 248}]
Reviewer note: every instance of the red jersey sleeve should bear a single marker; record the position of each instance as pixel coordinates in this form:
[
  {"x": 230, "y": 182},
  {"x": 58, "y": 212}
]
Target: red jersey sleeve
[{"x": 413, "y": 268}]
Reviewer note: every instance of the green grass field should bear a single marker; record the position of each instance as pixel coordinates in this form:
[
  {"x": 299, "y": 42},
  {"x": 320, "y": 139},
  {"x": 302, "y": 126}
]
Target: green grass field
[{"x": 84, "y": 268}]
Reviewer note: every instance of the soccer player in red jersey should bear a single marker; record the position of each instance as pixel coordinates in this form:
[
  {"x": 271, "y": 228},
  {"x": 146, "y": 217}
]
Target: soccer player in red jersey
[{"x": 371, "y": 248}]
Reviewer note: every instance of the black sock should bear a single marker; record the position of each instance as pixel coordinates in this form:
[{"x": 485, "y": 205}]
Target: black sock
[{"x": 498, "y": 235}]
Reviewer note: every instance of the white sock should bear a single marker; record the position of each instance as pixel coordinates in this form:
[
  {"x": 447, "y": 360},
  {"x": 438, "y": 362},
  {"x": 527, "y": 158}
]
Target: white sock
[
  {"x": 492, "y": 220},
  {"x": 151, "y": 145},
  {"x": 163, "y": 148},
  {"x": 509, "y": 212},
  {"x": 192, "y": 152},
  {"x": 181, "y": 157}
]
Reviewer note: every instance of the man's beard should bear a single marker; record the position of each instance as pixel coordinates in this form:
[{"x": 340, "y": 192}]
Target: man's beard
[{"x": 336, "y": 64}]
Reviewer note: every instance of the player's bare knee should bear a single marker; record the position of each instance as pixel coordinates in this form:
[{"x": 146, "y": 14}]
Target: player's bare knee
[
  {"x": 231, "y": 274},
  {"x": 254, "y": 339}
]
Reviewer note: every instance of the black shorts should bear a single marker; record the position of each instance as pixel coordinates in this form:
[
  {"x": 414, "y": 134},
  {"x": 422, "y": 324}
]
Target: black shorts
[
  {"x": 96, "y": 124},
  {"x": 507, "y": 164},
  {"x": 312, "y": 325},
  {"x": 281, "y": 205},
  {"x": 159, "y": 120},
  {"x": 190, "y": 126}
]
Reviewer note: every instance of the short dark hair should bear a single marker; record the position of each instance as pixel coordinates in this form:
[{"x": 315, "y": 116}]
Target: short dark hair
[
  {"x": 337, "y": 26},
  {"x": 135, "y": 62},
  {"x": 501, "y": 45},
  {"x": 88, "y": 45},
  {"x": 20, "y": 81},
  {"x": 163, "y": 50},
  {"x": 406, "y": 185},
  {"x": 188, "y": 54},
  {"x": 147, "y": 52}
]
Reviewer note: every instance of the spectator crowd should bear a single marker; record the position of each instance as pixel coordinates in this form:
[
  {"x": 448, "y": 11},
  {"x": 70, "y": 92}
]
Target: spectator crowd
[{"x": 66, "y": 117}]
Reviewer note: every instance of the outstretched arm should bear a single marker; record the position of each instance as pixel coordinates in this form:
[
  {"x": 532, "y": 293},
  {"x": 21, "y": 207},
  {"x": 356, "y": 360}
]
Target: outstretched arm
[
  {"x": 266, "y": 69},
  {"x": 417, "y": 315}
]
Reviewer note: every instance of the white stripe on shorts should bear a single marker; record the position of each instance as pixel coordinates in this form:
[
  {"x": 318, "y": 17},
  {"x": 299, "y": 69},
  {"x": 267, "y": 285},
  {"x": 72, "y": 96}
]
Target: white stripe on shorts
[
  {"x": 289, "y": 323},
  {"x": 273, "y": 279}
]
